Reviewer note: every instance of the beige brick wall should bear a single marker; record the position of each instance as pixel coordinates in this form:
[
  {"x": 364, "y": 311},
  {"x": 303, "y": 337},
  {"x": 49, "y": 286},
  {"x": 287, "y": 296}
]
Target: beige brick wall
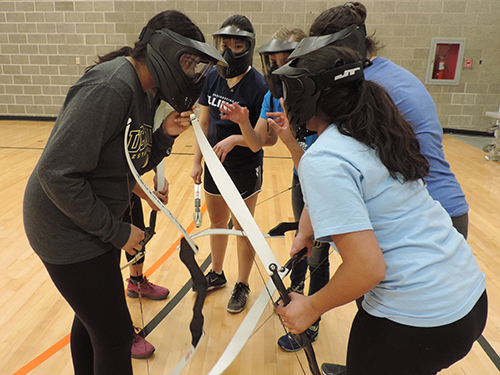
[{"x": 40, "y": 42}]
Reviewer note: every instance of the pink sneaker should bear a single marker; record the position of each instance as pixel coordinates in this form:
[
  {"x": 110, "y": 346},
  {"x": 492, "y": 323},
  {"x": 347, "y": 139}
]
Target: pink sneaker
[
  {"x": 148, "y": 290},
  {"x": 141, "y": 349}
]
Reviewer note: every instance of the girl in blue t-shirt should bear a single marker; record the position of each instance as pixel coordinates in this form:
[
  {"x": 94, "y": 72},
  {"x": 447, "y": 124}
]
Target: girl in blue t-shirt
[
  {"x": 413, "y": 101},
  {"x": 237, "y": 88},
  {"x": 363, "y": 183}
]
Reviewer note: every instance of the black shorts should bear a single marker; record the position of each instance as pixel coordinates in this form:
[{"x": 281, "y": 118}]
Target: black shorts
[{"x": 248, "y": 181}]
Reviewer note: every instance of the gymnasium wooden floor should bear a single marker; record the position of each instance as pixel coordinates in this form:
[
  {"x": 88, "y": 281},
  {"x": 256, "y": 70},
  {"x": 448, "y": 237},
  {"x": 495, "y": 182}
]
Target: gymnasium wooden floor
[{"x": 35, "y": 320}]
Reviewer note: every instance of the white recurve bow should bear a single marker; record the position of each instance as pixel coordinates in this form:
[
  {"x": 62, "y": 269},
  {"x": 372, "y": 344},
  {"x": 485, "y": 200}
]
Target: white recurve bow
[
  {"x": 195, "y": 345},
  {"x": 252, "y": 231}
]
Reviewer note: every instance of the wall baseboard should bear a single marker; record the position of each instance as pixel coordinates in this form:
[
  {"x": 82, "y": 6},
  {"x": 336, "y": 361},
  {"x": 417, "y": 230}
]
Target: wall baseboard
[
  {"x": 466, "y": 132},
  {"x": 27, "y": 118}
]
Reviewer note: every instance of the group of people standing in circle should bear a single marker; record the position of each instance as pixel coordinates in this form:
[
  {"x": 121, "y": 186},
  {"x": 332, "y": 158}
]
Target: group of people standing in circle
[{"x": 370, "y": 180}]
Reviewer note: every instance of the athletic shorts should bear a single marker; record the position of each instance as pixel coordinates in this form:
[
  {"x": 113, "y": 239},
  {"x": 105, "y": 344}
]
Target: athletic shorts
[{"x": 248, "y": 182}]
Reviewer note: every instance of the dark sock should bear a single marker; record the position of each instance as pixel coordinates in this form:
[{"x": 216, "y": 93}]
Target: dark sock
[{"x": 136, "y": 279}]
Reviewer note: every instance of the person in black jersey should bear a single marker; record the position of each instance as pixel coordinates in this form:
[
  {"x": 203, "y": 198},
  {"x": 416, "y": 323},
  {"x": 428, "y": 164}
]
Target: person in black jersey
[{"x": 239, "y": 87}]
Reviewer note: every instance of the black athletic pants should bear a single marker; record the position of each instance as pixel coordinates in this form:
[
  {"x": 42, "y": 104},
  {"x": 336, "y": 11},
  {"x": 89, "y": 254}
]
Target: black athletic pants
[
  {"x": 102, "y": 331},
  {"x": 134, "y": 215},
  {"x": 379, "y": 346}
]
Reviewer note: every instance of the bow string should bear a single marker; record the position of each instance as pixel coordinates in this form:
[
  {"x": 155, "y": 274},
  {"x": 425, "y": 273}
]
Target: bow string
[
  {"x": 241, "y": 212},
  {"x": 196, "y": 326}
]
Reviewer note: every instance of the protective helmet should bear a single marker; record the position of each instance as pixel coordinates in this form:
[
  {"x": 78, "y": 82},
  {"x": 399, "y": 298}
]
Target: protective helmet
[
  {"x": 178, "y": 65},
  {"x": 273, "y": 47},
  {"x": 352, "y": 37},
  {"x": 238, "y": 62},
  {"x": 301, "y": 89}
]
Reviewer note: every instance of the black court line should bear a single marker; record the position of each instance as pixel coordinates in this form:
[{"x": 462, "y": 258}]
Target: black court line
[
  {"x": 153, "y": 323},
  {"x": 490, "y": 352}
]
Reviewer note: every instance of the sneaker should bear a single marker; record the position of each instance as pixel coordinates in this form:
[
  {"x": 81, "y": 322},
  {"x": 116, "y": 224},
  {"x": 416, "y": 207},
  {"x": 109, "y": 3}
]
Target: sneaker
[
  {"x": 215, "y": 281},
  {"x": 333, "y": 369},
  {"x": 239, "y": 297},
  {"x": 289, "y": 344},
  {"x": 148, "y": 289},
  {"x": 141, "y": 349},
  {"x": 291, "y": 289}
]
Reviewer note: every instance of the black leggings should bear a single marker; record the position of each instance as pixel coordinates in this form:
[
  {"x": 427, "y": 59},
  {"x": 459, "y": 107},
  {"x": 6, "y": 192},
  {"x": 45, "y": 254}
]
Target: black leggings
[
  {"x": 102, "y": 331},
  {"x": 379, "y": 346},
  {"x": 134, "y": 215}
]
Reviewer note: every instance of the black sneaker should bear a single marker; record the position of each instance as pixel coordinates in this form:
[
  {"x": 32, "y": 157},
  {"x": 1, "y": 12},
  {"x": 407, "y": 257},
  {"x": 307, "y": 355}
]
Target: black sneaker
[
  {"x": 333, "y": 369},
  {"x": 215, "y": 281},
  {"x": 239, "y": 297},
  {"x": 289, "y": 344}
]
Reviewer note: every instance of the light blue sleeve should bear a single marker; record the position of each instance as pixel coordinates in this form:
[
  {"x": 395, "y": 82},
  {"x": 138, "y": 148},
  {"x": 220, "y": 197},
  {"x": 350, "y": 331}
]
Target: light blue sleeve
[{"x": 333, "y": 194}]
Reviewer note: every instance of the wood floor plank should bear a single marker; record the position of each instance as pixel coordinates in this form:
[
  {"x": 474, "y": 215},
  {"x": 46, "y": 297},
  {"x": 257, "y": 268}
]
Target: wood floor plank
[{"x": 35, "y": 317}]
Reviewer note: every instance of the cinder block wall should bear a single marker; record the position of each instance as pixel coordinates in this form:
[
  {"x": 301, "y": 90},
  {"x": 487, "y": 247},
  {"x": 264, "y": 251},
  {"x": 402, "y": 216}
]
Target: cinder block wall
[{"x": 45, "y": 45}]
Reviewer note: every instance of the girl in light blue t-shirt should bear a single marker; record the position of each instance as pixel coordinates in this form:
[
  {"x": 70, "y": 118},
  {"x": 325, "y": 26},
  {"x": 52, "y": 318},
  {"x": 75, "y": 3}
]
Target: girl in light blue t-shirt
[{"x": 363, "y": 184}]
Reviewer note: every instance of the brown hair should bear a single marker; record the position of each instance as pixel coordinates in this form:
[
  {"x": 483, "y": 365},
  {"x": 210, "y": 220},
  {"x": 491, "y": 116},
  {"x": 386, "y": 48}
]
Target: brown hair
[
  {"x": 338, "y": 18},
  {"x": 173, "y": 20},
  {"x": 365, "y": 111},
  {"x": 286, "y": 34}
]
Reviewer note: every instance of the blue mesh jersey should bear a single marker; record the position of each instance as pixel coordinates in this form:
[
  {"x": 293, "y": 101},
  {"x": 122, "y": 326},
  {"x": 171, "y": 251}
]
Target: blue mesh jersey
[
  {"x": 418, "y": 108},
  {"x": 249, "y": 92}
]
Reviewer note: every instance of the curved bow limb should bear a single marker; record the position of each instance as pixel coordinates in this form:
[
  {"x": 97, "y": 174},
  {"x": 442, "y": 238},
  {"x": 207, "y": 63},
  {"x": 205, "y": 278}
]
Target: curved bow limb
[
  {"x": 241, "y": 212},
  {"x": 196, "y": 328},
  {"x": 276, "y": 232}
]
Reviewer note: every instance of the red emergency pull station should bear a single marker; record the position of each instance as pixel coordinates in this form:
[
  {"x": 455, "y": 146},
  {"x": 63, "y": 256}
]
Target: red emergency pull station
[{"x": 467, "y": 63}]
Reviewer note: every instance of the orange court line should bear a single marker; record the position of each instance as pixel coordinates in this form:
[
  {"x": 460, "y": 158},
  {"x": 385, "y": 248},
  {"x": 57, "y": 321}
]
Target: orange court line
[
  {"x": 172, "y": 248},
  {"x": 44, "y": 356},
  {"x": 30, "y": 366}
]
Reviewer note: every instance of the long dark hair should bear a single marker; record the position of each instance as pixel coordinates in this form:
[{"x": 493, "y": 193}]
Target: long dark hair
[
  {"x": 338, "y": 18},
  {"x": 365, "y": 111},
  {"x": 240, "y": 22},
  {"x": 169, "y": 19}
]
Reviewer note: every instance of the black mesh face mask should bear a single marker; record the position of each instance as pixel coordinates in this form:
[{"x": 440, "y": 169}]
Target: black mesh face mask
[
  {"x": 179, "y": 66},
  {"x": 274, "y": 54},
  {"x": 301, "y": 88},
  {"x": 236, "y": 46}
]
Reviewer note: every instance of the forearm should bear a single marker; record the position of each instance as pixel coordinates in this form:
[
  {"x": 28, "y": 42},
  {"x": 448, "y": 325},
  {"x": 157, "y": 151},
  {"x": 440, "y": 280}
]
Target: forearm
[
  {"x": 296, "y": 151},
  {"x": 305, "y": 225},
  {"x": 345, "y": 286},
  {"x": 362, "y": 269},
  {"x": 204, "y": 122},
  {"x": 252, "y": 138}
]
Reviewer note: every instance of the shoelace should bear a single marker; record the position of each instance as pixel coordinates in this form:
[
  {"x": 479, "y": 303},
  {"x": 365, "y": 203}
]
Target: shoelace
[
  {"x": 240, "y": 292},
  {"x": 146, "y": 284}
]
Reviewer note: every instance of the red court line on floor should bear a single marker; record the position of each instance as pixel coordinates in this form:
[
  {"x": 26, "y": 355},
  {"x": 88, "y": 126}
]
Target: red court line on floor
[{"x": 30, "y": 366}]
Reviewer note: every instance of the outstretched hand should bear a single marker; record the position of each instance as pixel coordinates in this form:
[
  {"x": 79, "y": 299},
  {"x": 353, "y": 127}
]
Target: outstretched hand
[
  {"x": 278, "y": 121},
  {"x": 234, "y": 112}
]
